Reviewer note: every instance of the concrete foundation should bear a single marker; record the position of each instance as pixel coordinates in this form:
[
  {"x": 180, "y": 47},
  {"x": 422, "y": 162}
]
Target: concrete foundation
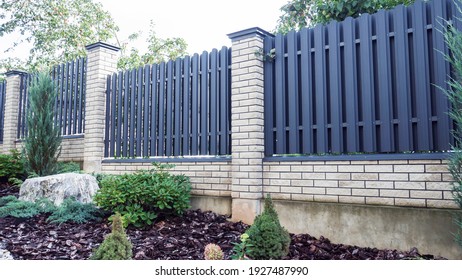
[
  {"x": 218, "y": 204},
  {"x": 429, "y": 230}
]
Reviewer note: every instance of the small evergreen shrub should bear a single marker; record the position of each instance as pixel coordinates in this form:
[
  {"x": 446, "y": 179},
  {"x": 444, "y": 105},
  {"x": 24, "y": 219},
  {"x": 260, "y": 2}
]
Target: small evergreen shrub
[
  {"x": 141, "y": 196},
  {"x": 268, "y": 239},
  {"x": 4, "y": 200},
  {"x": 116, "y": 245},
  {"x": 213, "y": 252},
  {"x": 12, "y": 166},
  {"x": 24, "y": 209},
  {"x": 73, "y": 211},
  {"x": 42, "y": 145}
]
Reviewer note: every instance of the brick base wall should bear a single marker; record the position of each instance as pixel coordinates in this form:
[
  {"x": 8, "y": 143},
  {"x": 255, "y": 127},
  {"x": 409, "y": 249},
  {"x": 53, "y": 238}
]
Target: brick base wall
[
  {"x": 207, "y": 178},
  {"x": 414, "y": 183}
]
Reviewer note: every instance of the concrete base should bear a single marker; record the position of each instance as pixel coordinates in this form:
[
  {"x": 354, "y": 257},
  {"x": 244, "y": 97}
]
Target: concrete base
[
  {"x": 245, "y": 210},
  {"x": 429, "y": 230},
  {"x": 218, "y": 204}
]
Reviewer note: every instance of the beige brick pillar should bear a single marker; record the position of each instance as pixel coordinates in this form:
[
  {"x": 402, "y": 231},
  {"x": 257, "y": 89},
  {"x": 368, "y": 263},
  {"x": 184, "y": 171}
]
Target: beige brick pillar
[
  {"x": 10, "y": 121},
  {"x": 101, "y": 62},
  {"x": 247, "y": 124}
]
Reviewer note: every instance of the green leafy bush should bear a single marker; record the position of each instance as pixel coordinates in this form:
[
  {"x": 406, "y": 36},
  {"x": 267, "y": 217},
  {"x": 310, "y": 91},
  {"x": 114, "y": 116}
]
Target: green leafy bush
[
  {"x": 68, "y": 167},
  {"x": 141, "y": 196},
  {"x": 74, "y": 211},
  {"x": 24, "y": 209},
  {"x": 116, "y": 245},
  {"x": 12, "y": 166},
  {"x": 268, "y": 239}
]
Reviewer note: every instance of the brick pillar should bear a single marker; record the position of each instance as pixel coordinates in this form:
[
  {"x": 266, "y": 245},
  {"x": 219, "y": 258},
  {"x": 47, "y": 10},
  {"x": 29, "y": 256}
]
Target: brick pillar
[
  {"x": 247, "y": 123},
  {"x": 101, "y": 62},
  {"x": 10, "y": 121}
]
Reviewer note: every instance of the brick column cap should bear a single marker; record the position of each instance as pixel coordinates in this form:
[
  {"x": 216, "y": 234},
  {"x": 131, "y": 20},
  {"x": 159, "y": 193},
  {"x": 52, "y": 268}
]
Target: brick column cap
[
  {"x": 15, "y": 73},
  {"x": 102, "y": 45},
  {"x": 249, "y": 33}
]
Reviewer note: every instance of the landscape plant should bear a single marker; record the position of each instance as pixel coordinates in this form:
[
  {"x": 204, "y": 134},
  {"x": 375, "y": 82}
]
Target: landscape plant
[
  {"x": 268, "y": 239},
  {"x": 42, "y": 145},
  {"x": 213, "y": 252},
  {"x": 12, "y": 167},
  {"x": 141, "y": 196},
  {"x": 453, "y": 38},
  {"x": 116, "y": 245}
]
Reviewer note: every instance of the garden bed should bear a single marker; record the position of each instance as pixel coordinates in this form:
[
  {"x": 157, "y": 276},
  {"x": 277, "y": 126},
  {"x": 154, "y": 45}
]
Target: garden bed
[{"x": 169, "y": 238}]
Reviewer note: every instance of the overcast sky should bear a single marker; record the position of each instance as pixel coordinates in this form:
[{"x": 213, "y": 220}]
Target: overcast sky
[{"x": 204, "y": 24}]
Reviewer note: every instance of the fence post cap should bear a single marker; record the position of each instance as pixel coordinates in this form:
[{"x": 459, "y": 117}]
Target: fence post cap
[
  {"x": 102, "y": 45},
  {"x": 15, "y": 73},
  {"x": 249, "y": 33}
]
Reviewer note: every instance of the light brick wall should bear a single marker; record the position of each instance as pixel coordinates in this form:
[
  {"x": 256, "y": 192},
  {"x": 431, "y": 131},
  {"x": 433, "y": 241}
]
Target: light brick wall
[
  {"x": 207, "y": 178},
  {"x": 411, "y": 183},
  {"x": 101, "y": 62},
  {"x": 10, "y": 123},
  {"x": 72, "y": 149}
]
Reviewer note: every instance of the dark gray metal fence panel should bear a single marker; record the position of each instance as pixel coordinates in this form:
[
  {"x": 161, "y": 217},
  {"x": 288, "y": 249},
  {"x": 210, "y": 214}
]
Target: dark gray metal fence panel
[
  {"x": 224, "y": 103},
  {"x": 161, "y": 108},
  {"x": 2, "y": 108},
  {"x": 321, "y": 90},
  {"x": 307, "y": 90},
  {"x": 441, "y": 73},
  {"x": 177, "y": 118},
  {"x": 154, "y": 109},
  {"x": 120, "y": 98},
  {"x": 335, "y": 83},
  {"x": 204, "y": 103},
  {"x": 168, "y": 112},
  {"x": 126, "y": 95},
  {"x": 146, "y": 102},
  {"x": 293, "y": 112},
  {"x": 384, "y": 83},
  {"x": 268, "y": 99},
  {"x": 139, "y": 111},
  {"x": 195, "y": 104},
  {"x": 186, "y": 106},
  {"x": 281, "y": 147},
  {"x": 365, "y": 85},
  {"x": 213, "y": 101}
]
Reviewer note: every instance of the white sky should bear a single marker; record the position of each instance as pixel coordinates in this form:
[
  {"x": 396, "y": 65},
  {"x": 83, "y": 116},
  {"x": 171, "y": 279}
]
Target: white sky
[{"x": 204, "y": 24}]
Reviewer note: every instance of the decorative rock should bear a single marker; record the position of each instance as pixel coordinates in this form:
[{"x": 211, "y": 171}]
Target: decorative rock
[{"x": 58, "y": 187}]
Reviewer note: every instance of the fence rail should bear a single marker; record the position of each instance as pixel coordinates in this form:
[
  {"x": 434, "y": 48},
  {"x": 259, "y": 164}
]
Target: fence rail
[
  {"x": 178, "y": 108},
  {"x": 365, "y": 85},
  {"x": 2, "y": 108},
  {"x": 70, "y": 79}
]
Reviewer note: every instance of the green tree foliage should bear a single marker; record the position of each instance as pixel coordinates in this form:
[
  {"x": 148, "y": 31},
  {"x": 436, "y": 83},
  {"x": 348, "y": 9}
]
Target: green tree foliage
[
  {"x": 116, "y": 245},
  {"x": 297, "y": 14},
  {"x": 453, "y": 38},
  {"x": 158, "y": 50},
  {"x": 42, "y": 145},
  {"x": 268, "y": 239},
  {"x": 59, "y": 30}
]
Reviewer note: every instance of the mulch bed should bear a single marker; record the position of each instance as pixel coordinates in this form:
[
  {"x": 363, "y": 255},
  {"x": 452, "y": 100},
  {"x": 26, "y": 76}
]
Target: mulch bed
[{"x": 171, "y": 238}]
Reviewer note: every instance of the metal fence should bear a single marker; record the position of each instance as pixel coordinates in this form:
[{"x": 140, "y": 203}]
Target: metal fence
[
  {"x": 2, "y": 108},
  {"x": 70, "y": 79},
  {"x": 177, "y": 108},
  {"x": 365, "y": 85}
]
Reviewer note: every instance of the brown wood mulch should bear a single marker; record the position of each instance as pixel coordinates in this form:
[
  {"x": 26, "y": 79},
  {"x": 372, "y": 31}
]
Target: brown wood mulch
[{"x": 171, "y": 238}]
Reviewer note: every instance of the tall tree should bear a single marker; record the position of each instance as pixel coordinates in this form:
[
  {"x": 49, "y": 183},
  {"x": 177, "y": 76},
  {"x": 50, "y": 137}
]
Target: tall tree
[
  {"x": 158, "y": 50},
  {"x": 297, "y": 14},
  {"x": 58, "y": 30}
]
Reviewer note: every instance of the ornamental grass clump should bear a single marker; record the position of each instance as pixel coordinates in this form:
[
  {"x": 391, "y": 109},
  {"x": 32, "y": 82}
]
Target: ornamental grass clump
[
  {"x": 213, "y": 252},
  {"x": 453, "y": 38},
  {"x": 267, "y": 238},
  {"x": 116, "y": 245}
]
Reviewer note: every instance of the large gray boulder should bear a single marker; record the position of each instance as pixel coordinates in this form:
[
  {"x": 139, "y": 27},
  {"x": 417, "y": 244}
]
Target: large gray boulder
[{"x": 58, "y": 187}]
